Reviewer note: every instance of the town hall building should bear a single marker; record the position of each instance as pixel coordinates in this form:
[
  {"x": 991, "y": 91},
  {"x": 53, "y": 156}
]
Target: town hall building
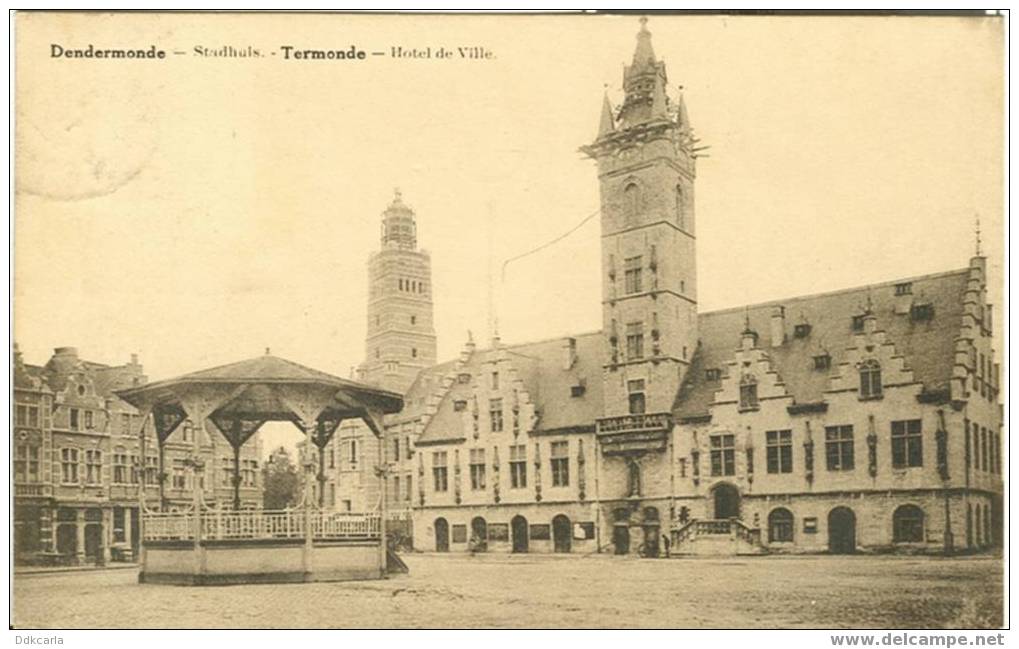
[
  {"x": 860, "y": 420},
  {"x": 864, "y": 419}
]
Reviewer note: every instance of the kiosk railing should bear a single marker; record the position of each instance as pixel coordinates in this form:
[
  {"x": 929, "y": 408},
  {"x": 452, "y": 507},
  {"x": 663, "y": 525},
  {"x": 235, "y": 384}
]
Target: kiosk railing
[{"x": 260, "y": 524}]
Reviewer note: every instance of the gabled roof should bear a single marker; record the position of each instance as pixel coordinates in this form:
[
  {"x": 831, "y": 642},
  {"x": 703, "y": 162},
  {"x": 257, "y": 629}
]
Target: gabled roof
[
  {"x": 426, "y": 383},
  {"x": 928, "y": 346},
  {"x": 540, "y": 366}
]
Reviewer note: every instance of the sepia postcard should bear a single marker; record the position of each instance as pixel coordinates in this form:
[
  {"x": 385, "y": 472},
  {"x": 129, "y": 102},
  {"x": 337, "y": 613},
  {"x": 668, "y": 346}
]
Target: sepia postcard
[{"x": 505, "y": 321}]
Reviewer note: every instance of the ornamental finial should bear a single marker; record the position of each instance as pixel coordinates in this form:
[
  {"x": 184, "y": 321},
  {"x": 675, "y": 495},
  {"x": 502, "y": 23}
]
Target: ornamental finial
[{"x": 978, "y": 234}]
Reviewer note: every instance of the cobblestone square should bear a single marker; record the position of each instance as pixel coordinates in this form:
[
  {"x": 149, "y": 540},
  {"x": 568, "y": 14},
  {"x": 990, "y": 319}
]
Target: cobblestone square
[{"x": 525, "y": 591}]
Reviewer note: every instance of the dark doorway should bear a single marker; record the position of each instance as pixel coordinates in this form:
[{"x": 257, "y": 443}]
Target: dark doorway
[
  {"x": 621, "y": 538},
  {"x": 562, "y": 533},
  {"x": 479, "y": 534},
  {"x": 841, "y": 531},
  {"x": 651, "y": 531},
  {"x": 621, "y": 530},
  {"x": 135, "y": 530},
  {"x": 441, "y": 535},
  {"x": 93, "y": 540},
  {"x": 67, "y": 539},
  {"x": 519, "y": 530},
  {"x": 726, "y": 502}
]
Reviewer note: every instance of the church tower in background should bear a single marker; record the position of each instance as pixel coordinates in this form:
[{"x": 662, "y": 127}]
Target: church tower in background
[
  {"x": 646, "y": 169},
  {"x": 401, "y": 333}
]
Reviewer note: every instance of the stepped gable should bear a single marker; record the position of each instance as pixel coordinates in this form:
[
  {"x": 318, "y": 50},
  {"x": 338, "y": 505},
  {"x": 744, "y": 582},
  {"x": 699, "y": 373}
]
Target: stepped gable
[
  {"x": 541, "y": 369},
  {"x": 928, "y": 346}
]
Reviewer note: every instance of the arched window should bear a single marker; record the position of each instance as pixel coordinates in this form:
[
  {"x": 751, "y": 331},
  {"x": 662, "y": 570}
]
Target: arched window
[
  {"x": 780, "y": 526},
  {"x": 969, "y": 525},
  {"x": 987, "y": 525},
  {"x": 631, "y": 203},
  {"x": 680, "y": 208},
  {"x": 979, "y": 527},
  {"x": 748, "y": 392},
  {"x": 870, "y": 379},
  {"x": 907, "y": 524}
]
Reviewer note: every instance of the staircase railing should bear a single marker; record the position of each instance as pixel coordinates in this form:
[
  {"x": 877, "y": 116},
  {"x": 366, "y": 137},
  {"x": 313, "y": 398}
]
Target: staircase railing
[
  {"x": 714, "y": 528},
  {"x": 749, "y": 534}
]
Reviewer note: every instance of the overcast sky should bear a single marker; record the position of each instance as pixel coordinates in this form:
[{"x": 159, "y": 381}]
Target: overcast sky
[{"x": 195, "y": 211}]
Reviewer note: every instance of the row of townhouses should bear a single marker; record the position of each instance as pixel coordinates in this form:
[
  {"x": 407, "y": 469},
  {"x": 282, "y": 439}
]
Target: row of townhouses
[{"x": 81, "y": 470}]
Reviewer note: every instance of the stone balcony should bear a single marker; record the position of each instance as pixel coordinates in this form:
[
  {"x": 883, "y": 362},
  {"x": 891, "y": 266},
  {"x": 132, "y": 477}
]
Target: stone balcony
[{"x": 635, "y": 433}]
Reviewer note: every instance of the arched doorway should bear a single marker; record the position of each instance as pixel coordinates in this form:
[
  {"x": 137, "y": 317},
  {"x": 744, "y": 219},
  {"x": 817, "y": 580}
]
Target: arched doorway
[
  {"x": 441, "y": 535},
  {"x": 67, "y": 539},
  {"x": 621, "y": 531},
  {"x": 562, "y": 533},
  {"x": 479, "y": 534},
  {"x": 651, "y": 531},
  {"x": 726, "y": 498},
  {"x": 841, "y": 531},
  {"x": 518, "y": 528}
]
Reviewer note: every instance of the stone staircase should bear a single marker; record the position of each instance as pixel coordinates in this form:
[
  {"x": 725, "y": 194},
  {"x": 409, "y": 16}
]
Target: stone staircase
[{"x": 725, "y": 537}]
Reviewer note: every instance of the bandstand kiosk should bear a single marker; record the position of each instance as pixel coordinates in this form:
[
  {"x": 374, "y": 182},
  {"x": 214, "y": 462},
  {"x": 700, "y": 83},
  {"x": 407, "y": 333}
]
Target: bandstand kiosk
[{"x": 212, "y": 544}]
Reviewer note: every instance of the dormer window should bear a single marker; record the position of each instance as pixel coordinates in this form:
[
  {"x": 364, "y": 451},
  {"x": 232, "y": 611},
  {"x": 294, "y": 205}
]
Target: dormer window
[
  {"x": 905, "y": 288},
  {"x": 712, "y": 374},
  {"x": 858, "y": 322},
  {"x": 922, "y": 312},
  {"x": 801, "y": 330},
  {"x": 579, "y": 389},
  {"x": 870, "y": 380},
  {"x": 459, "y": 405},
  {"x": 463, "y": 378},
  {"x": 822, "y": 362}
]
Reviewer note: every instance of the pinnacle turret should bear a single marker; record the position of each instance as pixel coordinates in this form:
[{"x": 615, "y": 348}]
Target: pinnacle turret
[{"x": 607, "y": 124}]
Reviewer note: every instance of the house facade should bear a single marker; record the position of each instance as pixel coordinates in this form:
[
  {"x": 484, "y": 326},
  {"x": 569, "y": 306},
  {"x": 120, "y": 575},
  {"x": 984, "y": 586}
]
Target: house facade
[{"x": 79, "y": 465}]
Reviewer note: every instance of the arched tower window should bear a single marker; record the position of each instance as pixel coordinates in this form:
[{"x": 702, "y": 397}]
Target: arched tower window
[
  {"x": 907, "y": 524},
  {"x": 631, "y": 203},
  {"x": 870, "y": 379},
  {"x": 680, "y": 209}
]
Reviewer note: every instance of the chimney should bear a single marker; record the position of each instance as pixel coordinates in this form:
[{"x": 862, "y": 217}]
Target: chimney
[
  {"x": 134, "y": 359},
  {"x": 903, "y": 298},
  {"x": 777, "y": 326},
  {"x": 569, "y": 353}
]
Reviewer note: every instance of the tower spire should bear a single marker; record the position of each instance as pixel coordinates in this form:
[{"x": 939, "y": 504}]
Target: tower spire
[
  {"x": 682, "y": 119},
  {"x": 607, "y": 124},
  {"x": 644, "y": 82},
  {"x": 644, "y": 54},
  {"x": 398, "y": 224}
]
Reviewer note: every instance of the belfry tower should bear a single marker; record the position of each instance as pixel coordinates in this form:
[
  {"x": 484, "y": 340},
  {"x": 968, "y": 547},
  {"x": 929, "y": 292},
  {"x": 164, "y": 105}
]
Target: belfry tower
[
  {"x": 646, "y": 169},
  {"x": 401, "y": 332}
]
